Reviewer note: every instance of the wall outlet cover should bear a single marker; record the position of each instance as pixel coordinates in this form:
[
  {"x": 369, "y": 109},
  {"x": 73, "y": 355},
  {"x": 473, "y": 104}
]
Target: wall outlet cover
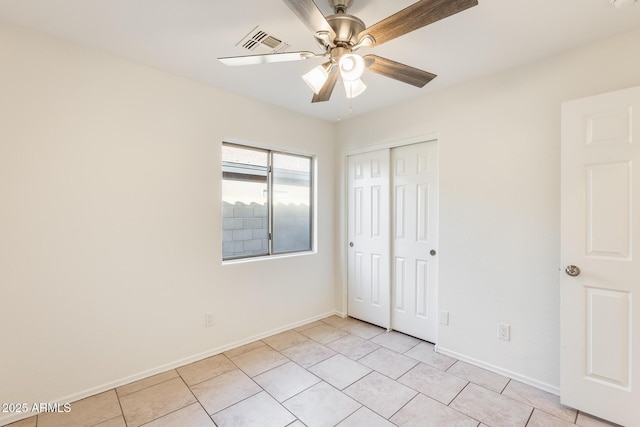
[
  {"x": 444, "y": 318},
  {"x": 208, "y": 319},
  {"x": 504, "y": 332}
]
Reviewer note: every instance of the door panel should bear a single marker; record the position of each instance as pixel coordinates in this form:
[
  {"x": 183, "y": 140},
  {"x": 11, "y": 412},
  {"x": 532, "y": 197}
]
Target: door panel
[
  {"x": 608, "y": 204},
  {"x": 608, "y": 336},
  {"x": 415, "y": 184},
  {"x": 600, "y": 361},
  {"x": 368, "y": 231}
]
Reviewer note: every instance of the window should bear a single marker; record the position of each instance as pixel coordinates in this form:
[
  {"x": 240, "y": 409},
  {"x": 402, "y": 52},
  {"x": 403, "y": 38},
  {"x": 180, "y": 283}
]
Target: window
[{"x": 266, "y": 202}]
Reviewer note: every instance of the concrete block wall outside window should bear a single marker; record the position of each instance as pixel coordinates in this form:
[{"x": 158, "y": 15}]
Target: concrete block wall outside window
[{"x": 245, "y": 228}]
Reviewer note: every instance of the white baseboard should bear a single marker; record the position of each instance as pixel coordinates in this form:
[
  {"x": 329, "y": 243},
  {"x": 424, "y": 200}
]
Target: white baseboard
[
  {"x": 498, "y": 370},
  {"x": 4, "y": 420}
]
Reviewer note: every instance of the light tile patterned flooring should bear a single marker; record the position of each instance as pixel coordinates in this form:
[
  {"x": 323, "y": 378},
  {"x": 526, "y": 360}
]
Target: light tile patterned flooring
[{"x": 331, "y": 372}]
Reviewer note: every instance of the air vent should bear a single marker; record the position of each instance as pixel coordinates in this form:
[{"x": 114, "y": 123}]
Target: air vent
[
  {"x": 260, "y": 41},
  {"x": 623, "y": 3}
]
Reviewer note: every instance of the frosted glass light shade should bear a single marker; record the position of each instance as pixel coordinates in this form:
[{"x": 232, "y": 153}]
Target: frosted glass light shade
[
  {"x": 351, "y": 66},
  {"x": 316, "y": 78},
  {"x": 354, "y": 88}
]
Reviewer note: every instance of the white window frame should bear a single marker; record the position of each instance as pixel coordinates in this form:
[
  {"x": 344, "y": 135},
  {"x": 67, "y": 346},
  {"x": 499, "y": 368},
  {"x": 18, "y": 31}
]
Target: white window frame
[{"x": 270, "y": 214}]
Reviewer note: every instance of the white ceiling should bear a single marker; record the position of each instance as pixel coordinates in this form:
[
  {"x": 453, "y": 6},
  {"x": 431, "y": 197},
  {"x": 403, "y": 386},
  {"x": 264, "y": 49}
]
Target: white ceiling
[{"x": 186, "y": 36}]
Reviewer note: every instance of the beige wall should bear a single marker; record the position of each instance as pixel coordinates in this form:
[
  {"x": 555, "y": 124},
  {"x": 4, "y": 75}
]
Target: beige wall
[
  {"x": 110, "y": 221},
  {"x": 499, "y": 141}
]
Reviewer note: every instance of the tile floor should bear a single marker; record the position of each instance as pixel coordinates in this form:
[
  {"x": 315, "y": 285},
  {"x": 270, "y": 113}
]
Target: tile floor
[{"x": 333, "y": 372}]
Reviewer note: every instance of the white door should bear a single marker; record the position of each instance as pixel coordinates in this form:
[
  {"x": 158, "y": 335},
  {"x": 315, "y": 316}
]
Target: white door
[
  {"x": 415, "y": 240},
  {"x": 600, "y": 361},
  {"x": 368, "y": 232}
]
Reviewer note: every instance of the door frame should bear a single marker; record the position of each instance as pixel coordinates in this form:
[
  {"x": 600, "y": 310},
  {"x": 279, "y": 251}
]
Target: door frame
[{"x": 344, "y": 235}]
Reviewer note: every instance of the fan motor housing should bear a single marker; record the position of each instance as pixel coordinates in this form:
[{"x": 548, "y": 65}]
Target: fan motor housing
[{"x": 347, "y": 28}]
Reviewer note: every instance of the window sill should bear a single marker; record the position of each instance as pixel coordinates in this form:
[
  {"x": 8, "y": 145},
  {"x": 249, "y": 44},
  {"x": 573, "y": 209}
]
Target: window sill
[{"x": 267, "y": 257}]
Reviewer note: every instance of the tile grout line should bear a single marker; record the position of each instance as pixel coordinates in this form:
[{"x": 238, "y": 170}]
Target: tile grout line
[
  {"x": 387, "y": 376},
  {"x": 172, "y": 412},
  {"x": 204, "y": 409},
  {"x": 350, "y": 384},
  {"x": 505, "y": 387},
  {"x": 452, "y": 400},
  {"x": 287, "y": 409},
  {"x": 403, "y": 406},
  {"x": 530, "y": 415},
  {"x": 458, "y": 394},
  {"x": 247, "y": 374},
  {"x": 234, "y": 404},
  {"x": 147, "y": 387},
  {"x": 452, "y": 365},
  {"x": 302, "y": 391},
  {"x": 196, "y": 397},
  {"x": 556, "y": 416},
  {"x": 344, "y": 419},
  {"x": 120, "y": 405}
]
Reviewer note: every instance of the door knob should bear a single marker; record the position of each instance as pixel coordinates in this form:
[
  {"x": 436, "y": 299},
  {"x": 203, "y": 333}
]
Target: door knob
[
  {"x": 351, "y": 244},
  {"x": 432, "y": 252},
  {"x": 572, "y": 270}
]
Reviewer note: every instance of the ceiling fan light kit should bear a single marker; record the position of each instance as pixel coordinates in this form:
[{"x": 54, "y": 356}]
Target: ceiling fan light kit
[
  {"x": 354, "y": 88},
  {"x": 351, "y": 66},
  {"x": 341, "y": 34},
  {"x": 317, "y": 77}
]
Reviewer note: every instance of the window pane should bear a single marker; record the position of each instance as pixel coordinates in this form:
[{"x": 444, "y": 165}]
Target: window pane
[
  {"x": 291, "y": 203},
  {"x": 244, "y": 202},
  {"x": 247, "y": 156}
]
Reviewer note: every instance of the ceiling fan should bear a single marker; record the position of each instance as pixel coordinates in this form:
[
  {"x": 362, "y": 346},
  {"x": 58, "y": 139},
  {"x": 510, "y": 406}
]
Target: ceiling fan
[{"x": 341, "y": 34}]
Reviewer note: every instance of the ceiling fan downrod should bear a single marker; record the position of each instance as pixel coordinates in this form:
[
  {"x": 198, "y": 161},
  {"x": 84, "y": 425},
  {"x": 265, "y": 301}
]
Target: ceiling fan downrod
[{"x": 340, "y": 6}]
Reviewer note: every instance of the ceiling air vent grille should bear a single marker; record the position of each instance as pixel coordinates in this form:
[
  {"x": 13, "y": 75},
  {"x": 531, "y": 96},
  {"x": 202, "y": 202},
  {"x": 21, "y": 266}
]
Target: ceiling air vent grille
[
  {"x": 623, "y": 3},
  {"x": 260, "y": 41}
]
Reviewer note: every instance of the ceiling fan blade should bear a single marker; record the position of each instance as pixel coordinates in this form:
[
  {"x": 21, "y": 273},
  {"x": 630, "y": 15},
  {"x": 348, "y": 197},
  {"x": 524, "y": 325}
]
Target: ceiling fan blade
[
  {"x": 419, "y": 14},
  {"x": 327, "y": 88},
  {"x": 398, "y": 71},
  {"x": 267, "y": 58},
  {"x": 310, "y": 15}
]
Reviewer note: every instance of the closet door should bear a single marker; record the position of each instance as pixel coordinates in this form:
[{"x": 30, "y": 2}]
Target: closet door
[
  {"x": 415, "y": 240},
  {"x": 369, "y": 242}
]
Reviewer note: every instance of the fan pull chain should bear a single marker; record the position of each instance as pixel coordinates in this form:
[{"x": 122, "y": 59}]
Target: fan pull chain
[
  {"x": 348, "y": 105},
  {"x": 350, "y": 98}
]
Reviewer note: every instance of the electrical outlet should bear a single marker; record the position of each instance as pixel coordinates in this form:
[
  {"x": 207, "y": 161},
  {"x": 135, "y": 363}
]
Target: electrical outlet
[
  {"x": 504, "y": 331},
  {"x": 208, "y": 319},
  {"x": 444, "y": 318}
]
